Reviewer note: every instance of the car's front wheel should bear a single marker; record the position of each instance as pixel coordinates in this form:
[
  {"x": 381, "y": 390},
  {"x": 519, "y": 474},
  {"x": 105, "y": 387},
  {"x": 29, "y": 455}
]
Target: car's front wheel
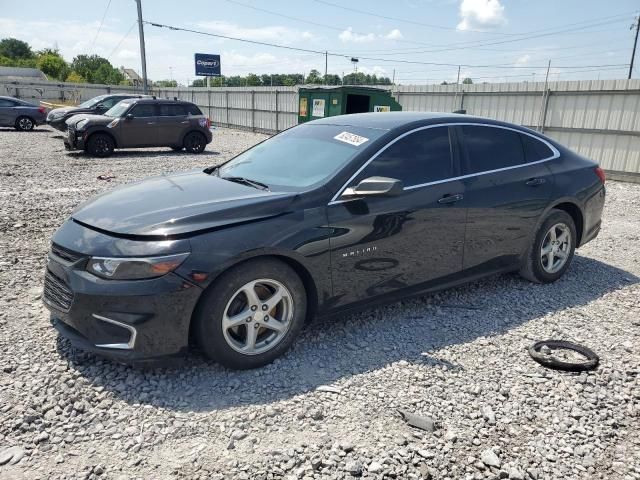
[
  {"x": 252, "y": 314},
  {"x": 100, "y": 145},
  {"x": 195, "y": 142},
  {"x": 552, "y": 249},
  {"x": 24, "y": 124}
]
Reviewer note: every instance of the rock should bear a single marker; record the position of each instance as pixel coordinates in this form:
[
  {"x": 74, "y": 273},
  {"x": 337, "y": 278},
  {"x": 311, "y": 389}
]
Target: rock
[
  {"x": 238, "y": 435},
  {"x": 11, "y": 455},
  {"x": 354, "y": 468},
  {"x": 490, "y": 458},
  {"x": 328, "y": 389},
  {"x": 374, "y": 467},
  {"x": 516, "y": 474},
  {"x": 489, "y": 415},
  {"x": 422, "y": 422}
]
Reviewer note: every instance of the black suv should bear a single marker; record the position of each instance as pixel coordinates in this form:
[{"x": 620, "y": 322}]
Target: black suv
[
  {"x": 96, "y": 105},
  {"x": 140, "y": 122}
]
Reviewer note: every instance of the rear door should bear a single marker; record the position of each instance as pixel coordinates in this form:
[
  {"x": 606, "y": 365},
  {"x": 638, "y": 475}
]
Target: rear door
[
  {"x": 507, "y": 187},
  {"x": 172, "y": 123},
  {"x": 384, "y": 244},
  {"x": 142, "y": 129},
  {"x": 7, "y": 112}
]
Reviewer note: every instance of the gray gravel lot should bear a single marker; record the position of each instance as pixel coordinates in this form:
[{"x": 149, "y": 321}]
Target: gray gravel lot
[{"x": 328, "y": 409}]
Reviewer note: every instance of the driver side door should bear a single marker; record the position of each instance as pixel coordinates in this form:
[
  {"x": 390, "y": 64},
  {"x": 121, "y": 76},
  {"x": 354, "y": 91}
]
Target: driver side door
[{"x": 381, "y": 244}]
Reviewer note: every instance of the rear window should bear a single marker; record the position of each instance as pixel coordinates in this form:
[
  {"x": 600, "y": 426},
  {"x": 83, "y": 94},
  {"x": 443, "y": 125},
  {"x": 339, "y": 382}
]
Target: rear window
[
  {"x": 490, "y": 148},
  {"x": 534, "y": 149},
  {"x": 192, "y": 109},
  {"x": 172, "y": 110}
]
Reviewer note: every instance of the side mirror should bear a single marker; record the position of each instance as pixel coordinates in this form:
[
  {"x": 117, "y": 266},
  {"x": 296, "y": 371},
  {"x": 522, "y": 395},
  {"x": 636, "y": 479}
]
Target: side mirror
[
  {"x": 100, "y": 106},
  {"x": 375, "y": 186},
  {"x": 129, "y": 116}
]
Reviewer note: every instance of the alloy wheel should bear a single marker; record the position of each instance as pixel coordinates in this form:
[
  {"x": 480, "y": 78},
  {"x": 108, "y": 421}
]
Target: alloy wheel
[
  {"x": 258, "y": 316},
  {"x": 25, "y": 124},
  {"x": 556, "y": 247},
  {"x": 194, "y": 143}
]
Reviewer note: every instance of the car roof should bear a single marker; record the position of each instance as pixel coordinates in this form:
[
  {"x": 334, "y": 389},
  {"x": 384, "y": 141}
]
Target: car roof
[
  {"x": 149, "y": 99},
  {"x": 393, "y": 120}
]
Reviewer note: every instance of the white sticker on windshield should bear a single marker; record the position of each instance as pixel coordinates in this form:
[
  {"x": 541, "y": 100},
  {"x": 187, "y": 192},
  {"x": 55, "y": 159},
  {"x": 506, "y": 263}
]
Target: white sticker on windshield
[{"x": 351, "y": 138}]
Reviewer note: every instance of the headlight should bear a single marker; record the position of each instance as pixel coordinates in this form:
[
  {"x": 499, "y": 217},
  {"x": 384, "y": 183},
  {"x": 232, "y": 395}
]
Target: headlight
[
  {"x": 81, "y": 124},
  {"x": 134, "y": 268}
]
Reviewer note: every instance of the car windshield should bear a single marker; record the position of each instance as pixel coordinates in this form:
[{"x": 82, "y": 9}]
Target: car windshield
[
  {"x": 92, "y": 101},
  {"x": 118, "y": 109},
  {"x": 301, "y": 157}
]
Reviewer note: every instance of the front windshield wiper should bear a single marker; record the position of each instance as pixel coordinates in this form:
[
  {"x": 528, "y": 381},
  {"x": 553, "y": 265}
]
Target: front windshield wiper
[{"x": 246, "y": 181}]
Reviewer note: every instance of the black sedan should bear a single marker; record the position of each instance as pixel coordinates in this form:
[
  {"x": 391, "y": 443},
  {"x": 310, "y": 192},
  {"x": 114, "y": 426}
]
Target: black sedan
[
  {"x": 58, "y": 117},
  {"x": 336, "y": 214}
]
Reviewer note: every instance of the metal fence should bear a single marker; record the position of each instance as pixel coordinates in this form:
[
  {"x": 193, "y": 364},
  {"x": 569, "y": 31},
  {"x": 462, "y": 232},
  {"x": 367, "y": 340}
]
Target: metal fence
[{"x": 599, "y": 119}]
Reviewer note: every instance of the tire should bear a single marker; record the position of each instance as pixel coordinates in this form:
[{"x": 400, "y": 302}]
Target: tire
[
  {"x": 537, "y": 269},
  {"x": 549, "y": 361},
  {"x": 24, "y": 124},
  {"x": 100, "y": 145},
  {"x": 194, "y": 142},
  {"x": 224, "y": 318},
  {"x": 177, "y": 149}
]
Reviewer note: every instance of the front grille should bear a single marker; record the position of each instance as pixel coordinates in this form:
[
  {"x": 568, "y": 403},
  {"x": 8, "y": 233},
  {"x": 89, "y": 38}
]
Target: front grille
[
  {"x": 65, "y": 253},
  {"x": 56, "y": 292}
]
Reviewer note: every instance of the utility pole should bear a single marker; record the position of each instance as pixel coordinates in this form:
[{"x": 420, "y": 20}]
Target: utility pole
[
  {"x": 143, "y": 55},
  {"x": 458, "y": 80},
  {"x": 326, "y": 63},
  {"x": 635, "y": 44},
  {"x": 393, "y": 81}
]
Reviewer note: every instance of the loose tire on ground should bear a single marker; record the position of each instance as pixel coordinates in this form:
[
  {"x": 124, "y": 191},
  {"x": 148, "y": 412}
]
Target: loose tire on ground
[
  {"x": 592, "y": 360},
  {"x": 24, "y": 124},
  {"x": 195, "y": 142},
  {"x": 100, "y": 145},
  {"x": 224, "y": 319},
  {"x": 535, "y": 268}
]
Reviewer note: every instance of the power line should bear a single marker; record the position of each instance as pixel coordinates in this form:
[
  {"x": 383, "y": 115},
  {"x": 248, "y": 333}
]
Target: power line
[
  {"x": 100, "y": 27},
  {"x": 320, "y": 52},
  {"x": 122, "y": 39}
]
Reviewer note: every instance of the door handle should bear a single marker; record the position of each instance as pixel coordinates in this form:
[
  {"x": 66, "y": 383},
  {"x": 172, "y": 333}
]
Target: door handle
[
  {"x": 186, "y": 121},
  {"x": 451, "y": 198},
  {"x": 534, "y": 182},
  {"x": 151, "y": 123}
]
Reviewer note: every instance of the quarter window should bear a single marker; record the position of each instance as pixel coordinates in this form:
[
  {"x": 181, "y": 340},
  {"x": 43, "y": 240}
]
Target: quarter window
[
  {"x": 490, "y": 148},
  {"x": 6, "y": 103},
  {"x": 143, "y": 110},
  {"x": 534, "y": 149},
  {"x": 421, "y": 157},
  {"x": 193, "y": 110}
]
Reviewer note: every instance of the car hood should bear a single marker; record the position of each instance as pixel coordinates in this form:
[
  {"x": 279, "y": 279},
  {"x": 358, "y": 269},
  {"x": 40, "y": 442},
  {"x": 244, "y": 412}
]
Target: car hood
[
  {"x": 180, "y": 204},
  {"x": 94, "y": 119},
  {"x": 61, "y": 111}
]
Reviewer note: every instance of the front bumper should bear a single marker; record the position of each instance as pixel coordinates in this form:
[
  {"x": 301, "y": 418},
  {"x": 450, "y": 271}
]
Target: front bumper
[
  {"x": 73, "y": 140},
  {"x": 136, "y": 321},
  {"x": 58, "y": 123}
]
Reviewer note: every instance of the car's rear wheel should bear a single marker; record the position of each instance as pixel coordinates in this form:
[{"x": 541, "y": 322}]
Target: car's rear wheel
[
  {"x": 195, "y": 142},
  {"x": 552, "y": 249},
  {"x": 100, "y": 145},
  {"x": 24, "y": 124},
  {"x": 252, "y": 314}
]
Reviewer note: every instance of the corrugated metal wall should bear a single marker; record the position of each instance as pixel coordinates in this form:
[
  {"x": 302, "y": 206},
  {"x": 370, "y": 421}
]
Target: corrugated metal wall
[{"x": 597, "y": 118}]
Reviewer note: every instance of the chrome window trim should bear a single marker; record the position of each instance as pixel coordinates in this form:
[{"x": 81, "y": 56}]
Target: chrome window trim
[
  {"x": 118, "y": 346},
  {"x": 556, "y": 154}
]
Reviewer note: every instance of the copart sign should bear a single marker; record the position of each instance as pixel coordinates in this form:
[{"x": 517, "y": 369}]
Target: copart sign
[{"x": 207, "y": 65}]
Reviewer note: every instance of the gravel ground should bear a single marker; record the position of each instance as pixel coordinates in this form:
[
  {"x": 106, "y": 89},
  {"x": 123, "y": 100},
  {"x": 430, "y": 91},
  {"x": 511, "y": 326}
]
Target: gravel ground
[{"x": 329, "y": 408}]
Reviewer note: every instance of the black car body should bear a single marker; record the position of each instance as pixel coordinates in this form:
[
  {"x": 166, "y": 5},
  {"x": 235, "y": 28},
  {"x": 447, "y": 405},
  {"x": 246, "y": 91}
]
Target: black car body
[
  {"x": 96, "y": 106},
  {"x": 20, "y": 114},
  {"x": 495, "y": 198},
  {"x": 140, "y": 122}
]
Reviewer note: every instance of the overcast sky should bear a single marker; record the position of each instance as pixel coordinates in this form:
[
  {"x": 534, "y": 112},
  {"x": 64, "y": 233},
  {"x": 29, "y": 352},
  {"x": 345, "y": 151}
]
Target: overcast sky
[{"x": 476, "y": 33}]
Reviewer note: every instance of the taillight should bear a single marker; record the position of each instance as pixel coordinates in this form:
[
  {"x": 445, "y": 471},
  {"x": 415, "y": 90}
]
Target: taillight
[
  {"x": 42, "y": 110},
  {"x": 600, "y": 174},
  {"x": 208, "y": 122}
]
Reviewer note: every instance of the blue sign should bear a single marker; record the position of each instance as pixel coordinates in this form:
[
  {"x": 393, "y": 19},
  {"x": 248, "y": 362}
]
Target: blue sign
[{"x": 207, "y": 65}]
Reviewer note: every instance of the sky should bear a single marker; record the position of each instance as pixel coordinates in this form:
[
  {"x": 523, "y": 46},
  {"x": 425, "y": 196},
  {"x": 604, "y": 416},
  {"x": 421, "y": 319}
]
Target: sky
[{"x": 413, "y": 41}]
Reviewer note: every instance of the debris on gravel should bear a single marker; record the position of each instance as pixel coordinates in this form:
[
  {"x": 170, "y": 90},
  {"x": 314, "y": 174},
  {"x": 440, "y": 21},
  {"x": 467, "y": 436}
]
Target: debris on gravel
[{"x": 328, "y": 408}]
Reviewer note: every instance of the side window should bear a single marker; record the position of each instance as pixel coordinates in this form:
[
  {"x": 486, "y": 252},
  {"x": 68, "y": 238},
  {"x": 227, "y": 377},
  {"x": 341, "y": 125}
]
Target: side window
[
  {"x": 111, "y": 102},
  {"x": 172, "y": 110},
  {"x": 6, "y": 103},
  {"x": 421, "y": 157},
  {"x": 193, "y": 110},
  {"x": 534, "y": 150},
  {"x": 143, "y": 110},
  {"x": 490, "y": 148}
]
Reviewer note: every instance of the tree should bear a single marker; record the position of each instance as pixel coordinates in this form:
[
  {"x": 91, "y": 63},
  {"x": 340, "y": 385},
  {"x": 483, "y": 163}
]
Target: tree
[
  {"x": 253, "y": 80},
  {"x": 314, "y": 77},
  {"x": 53, "y": 66},
  {"x": 75, "y": 77},
  {"x": 467, "y": 81},
  {"x": 15, "y": 49},
  {"x": 445, "y": 83},
  {"x": 165, "y": 83},
  {"x": 96, "y": 69}
]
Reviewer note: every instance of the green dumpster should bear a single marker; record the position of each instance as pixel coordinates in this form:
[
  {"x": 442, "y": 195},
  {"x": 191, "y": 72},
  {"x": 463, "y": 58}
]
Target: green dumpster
[{"x": 318, "y": 102}]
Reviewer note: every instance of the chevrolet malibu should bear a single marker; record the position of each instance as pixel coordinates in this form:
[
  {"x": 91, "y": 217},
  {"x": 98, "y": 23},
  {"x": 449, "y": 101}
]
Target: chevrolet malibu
[{"x": 333, "y": 215}]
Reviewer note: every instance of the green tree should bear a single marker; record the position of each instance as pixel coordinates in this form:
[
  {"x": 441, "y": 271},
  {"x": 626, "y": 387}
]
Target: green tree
[
  {"x": 53, "y": 66},
  {"x": 467, "y": 81},
  {"x": 15, "y": 49},
  {"x": 75, "y": 77},
  {"x": 313, "y": 77},
  {"x": 253, "y": 80},
  {"x": 165, "y": 83},
  {"x": 96, "y": 69}
]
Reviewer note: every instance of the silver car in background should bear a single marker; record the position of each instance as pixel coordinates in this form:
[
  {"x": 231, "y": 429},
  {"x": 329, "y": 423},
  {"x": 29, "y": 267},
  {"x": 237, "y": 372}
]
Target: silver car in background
[{"x": 21, "y": 115}]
